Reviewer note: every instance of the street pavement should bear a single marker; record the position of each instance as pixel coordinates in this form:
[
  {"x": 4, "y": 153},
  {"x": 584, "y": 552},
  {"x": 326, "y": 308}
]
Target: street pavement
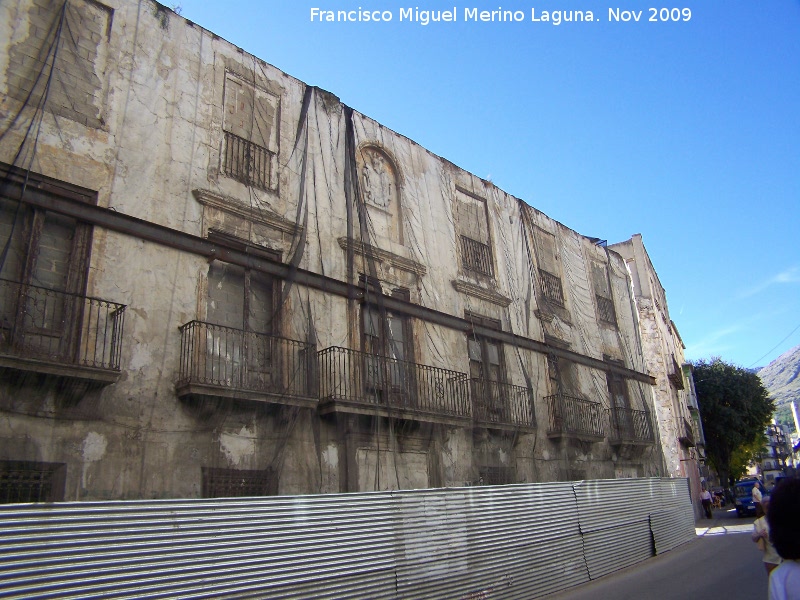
[{"x": 722, "y": 562}]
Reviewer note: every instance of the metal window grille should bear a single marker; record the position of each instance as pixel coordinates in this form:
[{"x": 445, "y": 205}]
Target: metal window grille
[
  {"x": 551, "y": 287},
  {"x": 605, "y": 306},
  {"x": 476, "y": 256},
  {"x": 496, "y": 475},
  {"x": 30, "y": 482},
  {"x": 247, "y": 162},
  {"x": 236, "y": 483}
]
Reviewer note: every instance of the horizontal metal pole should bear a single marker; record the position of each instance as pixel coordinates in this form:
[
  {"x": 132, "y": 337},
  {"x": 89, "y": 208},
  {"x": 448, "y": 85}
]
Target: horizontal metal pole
[{"x": 139, "y": 228}]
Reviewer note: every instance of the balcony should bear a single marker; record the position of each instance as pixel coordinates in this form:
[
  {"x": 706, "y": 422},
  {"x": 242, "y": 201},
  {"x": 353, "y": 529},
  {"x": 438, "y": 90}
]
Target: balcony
[
  {"x": 630, "y": 426},
  {"x": 224, "y": 362},
  {"x": 247, "y": 162},
  {"x": 686, "y": 433},
  {"x": 69, "y": 336},
  {"x": 574, "y": 418},
  {"x": 501, "y": 406},
  {"x": 359, "y": 383}
]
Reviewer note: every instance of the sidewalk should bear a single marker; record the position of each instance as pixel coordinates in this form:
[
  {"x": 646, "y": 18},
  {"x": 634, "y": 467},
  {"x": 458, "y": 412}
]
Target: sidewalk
[{"x": 722, "y": 562}]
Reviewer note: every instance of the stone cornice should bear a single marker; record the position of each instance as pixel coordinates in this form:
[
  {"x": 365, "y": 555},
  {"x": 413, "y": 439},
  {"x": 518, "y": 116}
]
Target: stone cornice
[
  {"x": 233, "y": 206},
  {"x": 477, "y": 291},
  {"x": 395, "y": 260}
]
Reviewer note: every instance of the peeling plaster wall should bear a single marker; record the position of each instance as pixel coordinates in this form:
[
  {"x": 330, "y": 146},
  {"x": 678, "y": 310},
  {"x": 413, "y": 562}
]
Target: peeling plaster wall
[
  {"x": 661, "y": 346},
  {"x": 158, "y": 156}
]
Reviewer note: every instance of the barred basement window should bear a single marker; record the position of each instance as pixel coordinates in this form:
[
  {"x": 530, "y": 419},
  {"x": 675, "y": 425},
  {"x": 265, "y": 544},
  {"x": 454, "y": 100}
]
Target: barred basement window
[
  {"x": 23, "y": 481},
  {"x": 237, "y": 483},
  {"x": 551, "y": 287},
  {"x": 496, "y": 475}
]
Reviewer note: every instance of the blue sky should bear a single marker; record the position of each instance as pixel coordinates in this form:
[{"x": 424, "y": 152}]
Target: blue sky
[{"x": 687, "y": 131}]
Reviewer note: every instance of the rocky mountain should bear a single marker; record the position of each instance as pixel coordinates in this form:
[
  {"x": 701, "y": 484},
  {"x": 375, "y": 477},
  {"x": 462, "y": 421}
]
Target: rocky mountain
[{"x": 782, "y": 378}]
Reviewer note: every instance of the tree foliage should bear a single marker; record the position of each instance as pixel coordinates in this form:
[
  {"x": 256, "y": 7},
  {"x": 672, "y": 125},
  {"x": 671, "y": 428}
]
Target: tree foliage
[{"x": 735, "y": 408}]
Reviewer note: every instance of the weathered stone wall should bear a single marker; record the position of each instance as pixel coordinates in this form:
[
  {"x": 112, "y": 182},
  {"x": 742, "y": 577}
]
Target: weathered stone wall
[{"x": 148, "y": 132}]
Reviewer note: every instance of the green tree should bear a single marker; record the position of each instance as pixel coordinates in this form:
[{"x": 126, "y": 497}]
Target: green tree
[{"x": 735, "y": 408}]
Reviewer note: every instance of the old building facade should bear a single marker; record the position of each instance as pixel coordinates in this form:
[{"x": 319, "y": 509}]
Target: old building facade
[{"x": 218, "y": 281}]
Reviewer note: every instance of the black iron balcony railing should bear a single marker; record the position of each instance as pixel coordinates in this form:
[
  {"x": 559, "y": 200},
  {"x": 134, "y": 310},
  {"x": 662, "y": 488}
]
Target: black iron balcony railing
[
  {"x": 247, "y": 162},
  {"x": 551, "y": 287},
  {"x": 476, "y": 255},
  {"x": 501, "y": 403},
  {"x": 574, "y": 417},
  {"x": 358, "y": 378},
  {"x": 628, "y": 425},
  {"x": 225, "y": 361},
  {"x": 59, "y": 328}
]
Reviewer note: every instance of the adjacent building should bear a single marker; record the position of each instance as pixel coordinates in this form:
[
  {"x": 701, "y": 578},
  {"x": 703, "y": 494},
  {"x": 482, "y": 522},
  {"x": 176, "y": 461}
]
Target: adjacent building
[
  {"x": 776, "y": 460},
  {"x": 677, "y": 410},
  {"x": 217, "y": 280}
]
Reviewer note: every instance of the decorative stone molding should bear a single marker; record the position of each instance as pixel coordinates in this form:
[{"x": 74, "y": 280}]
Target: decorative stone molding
[
  {"x": 234, "y": 207},
  {"x": 395, "y": 260},
  {"x": 477, "y": 291}
]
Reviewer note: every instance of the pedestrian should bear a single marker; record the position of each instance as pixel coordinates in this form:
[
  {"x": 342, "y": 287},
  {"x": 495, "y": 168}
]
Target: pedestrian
[
  {"x": 705, "y": 498},
  {"x": 784, "y": 532},
  {"x": 760, "y": 535},
  {"x": 757, "y": 497}
]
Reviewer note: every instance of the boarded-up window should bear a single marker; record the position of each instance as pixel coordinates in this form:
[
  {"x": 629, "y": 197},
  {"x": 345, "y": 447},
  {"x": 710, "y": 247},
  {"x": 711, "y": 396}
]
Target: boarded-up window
[
  {"x": 472, "y": 227},
  {"x": 250, "y": 124},
  {"x": 65, "y": 47}
]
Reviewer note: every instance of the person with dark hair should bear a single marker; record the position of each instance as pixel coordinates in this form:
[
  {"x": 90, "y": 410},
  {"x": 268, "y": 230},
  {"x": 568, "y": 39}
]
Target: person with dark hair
[{"x": 784, "y": 532}]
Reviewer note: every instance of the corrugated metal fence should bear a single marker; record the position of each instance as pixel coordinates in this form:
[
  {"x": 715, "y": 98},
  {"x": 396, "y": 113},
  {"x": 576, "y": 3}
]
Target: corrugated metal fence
[{"x": 513, "y": 541}]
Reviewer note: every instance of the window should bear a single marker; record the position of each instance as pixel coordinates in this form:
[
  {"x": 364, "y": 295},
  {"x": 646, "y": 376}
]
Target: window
[
  {"x": 496, "y": 475},
  {"x": 240, "y": 312},
  {"x": 605, "y": 301},
  {"x": 472, "y": 227},
  {"x": 563, "y": 377},
  {"x": 621, "y": 415},
  {"x": 22, "y": 481},
  {"x": 250, "y": 126},
  {"x": 236, "y": 483},
  {"x": 551, "y": 287},
  {"x": 486, "y": 372},
  {"x": 388, "y": 354},
  {"x": 549, "y": 278},
  {"x": 43, "y": 263}
]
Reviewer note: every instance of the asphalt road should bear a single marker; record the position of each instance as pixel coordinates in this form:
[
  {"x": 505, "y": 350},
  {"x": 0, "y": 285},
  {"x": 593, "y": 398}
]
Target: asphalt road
[{"x": 722, "y": 562}]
